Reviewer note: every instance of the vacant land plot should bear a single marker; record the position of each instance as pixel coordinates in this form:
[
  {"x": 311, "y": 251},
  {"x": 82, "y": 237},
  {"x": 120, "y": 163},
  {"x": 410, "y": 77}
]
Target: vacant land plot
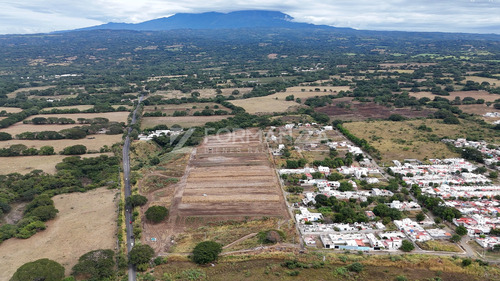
[
  {"x": 461, "y": 94},
  {"x": 478, "y": 79},
  {"x": 231, "y": 177},
  {"x": 85, "y": 222},
  {"x": 41, "y": 88},
  {"x": 19, "y": 127},
  {"x": 183, "y": 121},
  {"x": 190, "y": 108},
  {"x": 92, "y": 142},
  {"x": 479, "y": 109},
  {"x": 26, "y": 164},
  {"x": 10, "y": 109},
  {"x": 348, "y": 110},
  {"x": 402, "y": 140},
  {"x": 120, "y": 116},
  {"x": 204, "y": 93}
]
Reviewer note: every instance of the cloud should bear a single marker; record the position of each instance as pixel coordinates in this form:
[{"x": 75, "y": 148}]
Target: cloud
[{"x": 30, "y": 16}]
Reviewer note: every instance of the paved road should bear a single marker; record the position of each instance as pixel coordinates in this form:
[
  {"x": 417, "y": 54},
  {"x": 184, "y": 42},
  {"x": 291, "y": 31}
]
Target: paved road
[{"x": 132, "y": 274}]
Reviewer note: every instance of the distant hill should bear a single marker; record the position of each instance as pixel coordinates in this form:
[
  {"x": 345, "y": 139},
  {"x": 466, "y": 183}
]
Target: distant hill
[{"x": 213, "y": 20}]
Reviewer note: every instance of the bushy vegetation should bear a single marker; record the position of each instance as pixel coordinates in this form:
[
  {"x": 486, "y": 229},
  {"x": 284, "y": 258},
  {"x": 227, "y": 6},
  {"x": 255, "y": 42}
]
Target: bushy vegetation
[
  {"x": 206, "y": 251},
  {"x": 42, "y": 269},
  {"x": 156, "y": 214},
  {"x": 141, "y": 255},
  {"x": 96, "y": 265}
]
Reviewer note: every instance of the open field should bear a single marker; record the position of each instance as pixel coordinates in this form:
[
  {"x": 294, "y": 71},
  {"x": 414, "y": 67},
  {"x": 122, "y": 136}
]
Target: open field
[
  {"x": 479, "y": 109},
  {"x": 85, "y": 222},
  {"x": 82, "y": 107},
  {"x": 25, "y": 164},
  {"x": 348, "y": 110},
  {"x": 267, "y": 265},
  {"x": 204, "y": 93},
  {"x": 92, "y": 142},
  {"x": 19, "y": 127},
  {"x": 277, "y": 103},
  {"x": 402, "y": 140},
  {"x": 13, "y": 94},
  {"x": 190, "y": 108},
  {"x": 183, "y": 121},
  {"x": 222, "y": 184},
  {"x": 10, "y": 109},
  {"x": 479, "y": 79},
  {"x": 120, "y": 116},
  {"x": 461, "y": 94}
]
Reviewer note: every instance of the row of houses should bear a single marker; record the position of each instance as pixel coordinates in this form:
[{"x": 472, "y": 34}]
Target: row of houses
[
  {"x": 446, "y": 191},
  {"x": 362, "y": 241},
  {"x": 413, "y": 230},
  {"x": 492, "y": 153}
]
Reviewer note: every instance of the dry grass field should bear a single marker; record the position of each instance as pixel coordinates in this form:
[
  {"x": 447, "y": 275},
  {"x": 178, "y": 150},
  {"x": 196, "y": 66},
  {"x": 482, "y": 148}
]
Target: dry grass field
[
  {"x": 92, "y": 142},
  {"x": 231, "y": 176},
  {"x": 204, "y": 93},
  {"x": 26, "y": 164},
  {"x": 82, "y": 107},
  {"x": 10, "y": 109},
  {"x": 462, "y": 94},
  {"x": 402, "y": 140},
  {"x": 479, "y": 109},
  {"x": 120, "y": 116},
  {"x": 183, "y": 121},
  {"x": 19, "y": 127},
  {"x": 58, "y": 97},
  {"x": 478, "y": 79},
  {"x": 85, "y": 222},
  {"x": 13, "y": 94},
  {"x": 191, "y": 108},
  {"x": 277, "y": 103}
]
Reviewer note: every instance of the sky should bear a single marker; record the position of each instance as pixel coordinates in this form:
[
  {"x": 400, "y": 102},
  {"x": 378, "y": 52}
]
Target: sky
[{"x": 470, "y": 16}]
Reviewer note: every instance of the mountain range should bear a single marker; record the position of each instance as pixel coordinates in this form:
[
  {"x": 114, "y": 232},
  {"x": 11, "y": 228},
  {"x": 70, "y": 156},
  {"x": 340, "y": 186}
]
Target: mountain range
[{"x": 213, "y": 20}]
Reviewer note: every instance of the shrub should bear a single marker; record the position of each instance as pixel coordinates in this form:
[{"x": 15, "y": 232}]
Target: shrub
[
  {"x": 466, "y": 262},
  {"x": 207, "y": 251},
  {"x": 141, "y": 254},
  {"x": 42, "y": 269},
  {"x": 355, "y": 267},
  {"x": 78, "y": 149},
  {"x": 44, "y": 213},
  {"x": 97, "y": 265},
  {"x": 156, "y": 213},
  {"x": 136, "y": 200},
  {"x": 271, "y": 236},
  {"x": 407, "y": 246}
]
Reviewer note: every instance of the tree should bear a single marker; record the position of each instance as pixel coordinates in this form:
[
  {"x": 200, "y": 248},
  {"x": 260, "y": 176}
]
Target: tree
[
  {"x": 407, "y": 246},
  {"x": 455, "y": 238},
  {"x": 96, "y": 265},
  {"x": 136, "y": 200},
  {"x": 5, "y": 136},
  {"x": 78, "y": 149},
  {"x": 420, "y": 216},
  {"x": 207, "y": 251},
  {"x": 42, "y": 269},
  {"x": 154, "y": 161},
  {"x": 44, "y": 213},
  {"x": 141, "y": 254},
  {"x": 461, "y": 230},
  {"x": 46, "y": 150},
  {"x": 156, "y": 213}
]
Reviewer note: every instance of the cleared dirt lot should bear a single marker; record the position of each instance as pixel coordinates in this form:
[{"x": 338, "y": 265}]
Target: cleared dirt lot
[
  {"x": 183, "y": 121},
  {"x": 25, "y": 164},
  {"x": 231, "y": 176},
  {"x": 85, "y": 222},
  {"x": 357, "y": 111},
  {"x": 82, "y": 107},
  {"x": 462, "y": 94},
  {"x": 92, "y": 142}
]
